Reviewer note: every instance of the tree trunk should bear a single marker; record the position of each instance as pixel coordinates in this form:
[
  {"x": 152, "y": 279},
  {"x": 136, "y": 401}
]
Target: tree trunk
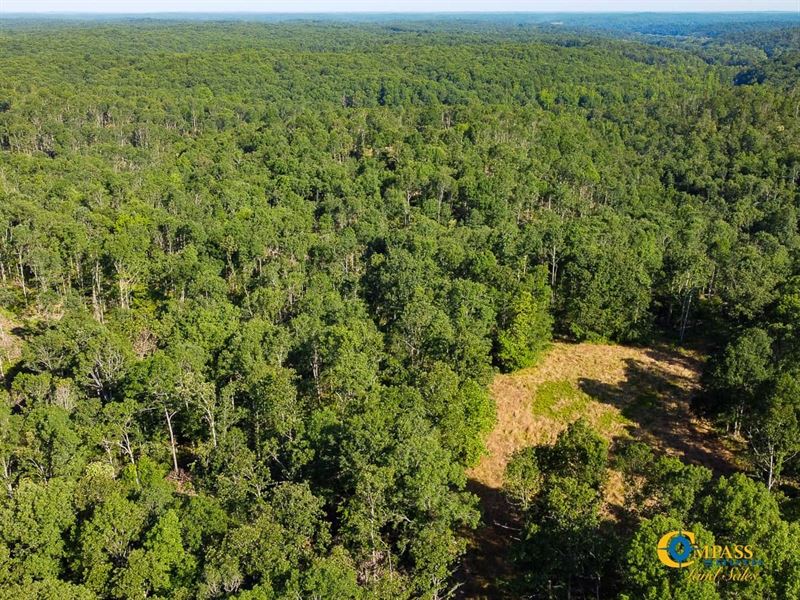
[
  {"x": 687, "y": 302},
  {"x": 97, "y": 301},
  {"x": 171, "y": 439},
  {"x": 21, "y": 270},
  {"x": 771, "y": 471}
]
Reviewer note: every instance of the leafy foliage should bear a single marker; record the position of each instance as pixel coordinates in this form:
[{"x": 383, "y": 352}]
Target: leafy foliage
[{"x": 263, "y": 272}]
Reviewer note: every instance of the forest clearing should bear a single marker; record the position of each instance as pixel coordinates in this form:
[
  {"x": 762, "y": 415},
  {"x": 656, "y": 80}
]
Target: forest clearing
[{"x": 643, "y": 392}]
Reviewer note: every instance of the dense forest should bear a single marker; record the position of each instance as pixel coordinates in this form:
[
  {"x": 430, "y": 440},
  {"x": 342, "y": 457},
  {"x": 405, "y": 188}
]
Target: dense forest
[{"x": 256, "y": 277}]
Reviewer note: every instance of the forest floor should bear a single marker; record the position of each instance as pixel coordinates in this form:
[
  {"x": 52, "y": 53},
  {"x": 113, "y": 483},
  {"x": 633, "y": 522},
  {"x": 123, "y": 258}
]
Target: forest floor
[
  {"x": 622, "y": 391},
  {"x": 10, "y": 344}
]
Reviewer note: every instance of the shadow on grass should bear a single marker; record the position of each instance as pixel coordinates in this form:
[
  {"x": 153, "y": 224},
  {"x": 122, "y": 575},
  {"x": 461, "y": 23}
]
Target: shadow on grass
[{"x": 658, "y": 400}]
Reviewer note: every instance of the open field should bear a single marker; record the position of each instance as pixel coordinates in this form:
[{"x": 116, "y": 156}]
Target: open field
[{"x": 621, "y": 390}]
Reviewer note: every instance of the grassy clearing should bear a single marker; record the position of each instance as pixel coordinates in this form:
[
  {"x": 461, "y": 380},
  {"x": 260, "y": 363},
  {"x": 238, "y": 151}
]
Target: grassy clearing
[
  {"x": 559, "y": 400},
  {"x": 564, "y": 402},
  {"x": 621, "y": 390},
  {"x": 10, "y": 344}
]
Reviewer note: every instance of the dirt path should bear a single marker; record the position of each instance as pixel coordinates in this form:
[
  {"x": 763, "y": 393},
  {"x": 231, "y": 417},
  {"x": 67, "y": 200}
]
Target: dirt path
[{"x": 644, "y": 392}]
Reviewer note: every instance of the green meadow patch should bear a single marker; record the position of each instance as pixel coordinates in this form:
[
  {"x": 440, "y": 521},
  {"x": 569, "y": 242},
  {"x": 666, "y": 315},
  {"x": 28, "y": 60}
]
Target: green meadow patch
[{"x": 563, "y": 401}]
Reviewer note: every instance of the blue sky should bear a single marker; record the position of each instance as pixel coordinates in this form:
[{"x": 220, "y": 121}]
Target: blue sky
[{"x": 392, "y": 5}]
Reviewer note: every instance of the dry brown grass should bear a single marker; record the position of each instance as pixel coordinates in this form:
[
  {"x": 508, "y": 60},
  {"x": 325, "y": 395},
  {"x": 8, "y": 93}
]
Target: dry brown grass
[
  {"x": 642, "y": 391},
  {"x": 621, "y": 390},
  {"x": 10, "y": 344}
]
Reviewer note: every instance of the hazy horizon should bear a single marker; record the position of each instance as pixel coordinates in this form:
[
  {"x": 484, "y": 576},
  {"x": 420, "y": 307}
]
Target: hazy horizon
[
  {"x": 4, "y": 12},
  {"x": 32, "y": 7},
  {"x": 403, "y": 12}
]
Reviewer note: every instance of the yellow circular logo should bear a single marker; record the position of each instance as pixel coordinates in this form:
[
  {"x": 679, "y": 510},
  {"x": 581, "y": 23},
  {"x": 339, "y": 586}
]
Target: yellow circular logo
[{"x": 675, "y": 548}]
